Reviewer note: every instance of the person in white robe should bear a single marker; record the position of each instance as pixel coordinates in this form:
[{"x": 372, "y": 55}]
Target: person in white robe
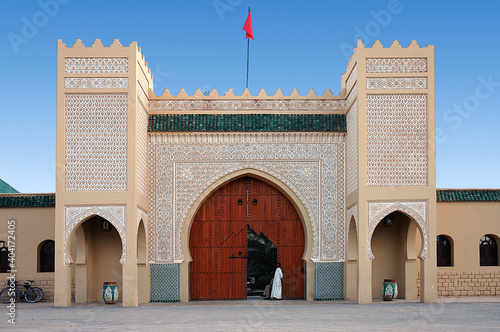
[{"x": 276, "y": 290}]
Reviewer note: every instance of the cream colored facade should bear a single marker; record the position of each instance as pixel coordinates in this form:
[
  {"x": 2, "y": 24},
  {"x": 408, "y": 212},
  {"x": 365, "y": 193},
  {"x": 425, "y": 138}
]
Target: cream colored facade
[{"x": 137, "y": 160}]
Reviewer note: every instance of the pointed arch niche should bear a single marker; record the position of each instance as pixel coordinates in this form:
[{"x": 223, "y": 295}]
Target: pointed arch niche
[{"x": 392, "y": 245}]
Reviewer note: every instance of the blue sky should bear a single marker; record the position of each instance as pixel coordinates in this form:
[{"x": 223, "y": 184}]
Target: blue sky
[{"x": 298, "y": 44}]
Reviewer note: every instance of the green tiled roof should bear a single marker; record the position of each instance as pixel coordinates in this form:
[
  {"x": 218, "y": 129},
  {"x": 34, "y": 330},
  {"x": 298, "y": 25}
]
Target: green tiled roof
[
  {"x": 32, "y": 200},
  {"x": 5, "y": 188},
  {"x": 468, "y": 195},
  {"x": 247, "y": 122}
]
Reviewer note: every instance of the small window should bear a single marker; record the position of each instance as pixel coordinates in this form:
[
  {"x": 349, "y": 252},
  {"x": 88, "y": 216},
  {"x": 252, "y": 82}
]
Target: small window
[
  {"x": 47, "y": 256},
  {"x": 488, "y": 251},
  {"x": 4, "y": 257},
  {"x": 443, "y": 251}
]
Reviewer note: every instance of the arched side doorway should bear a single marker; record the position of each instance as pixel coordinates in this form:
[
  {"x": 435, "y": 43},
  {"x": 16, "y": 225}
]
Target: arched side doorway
[
  {"x": 96, "y": 254},
  {"x": 142, "y": 263},
  {"x": 394, "y": 246},
  {"x": 351, "y": 283},
  {"x": 239, "y": 213}
]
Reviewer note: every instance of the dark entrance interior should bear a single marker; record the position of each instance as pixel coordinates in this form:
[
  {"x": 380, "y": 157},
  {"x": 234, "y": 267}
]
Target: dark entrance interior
[
  {"x": 240, "y": 232},
  {"x": 261, "y": 263}
]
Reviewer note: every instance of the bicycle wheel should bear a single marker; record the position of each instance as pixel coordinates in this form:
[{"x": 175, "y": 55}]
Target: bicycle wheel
[
  {"x": 31, "y": 296},
  {"x": 39, "y": 293},
  {"x": 5, "y": 297}
]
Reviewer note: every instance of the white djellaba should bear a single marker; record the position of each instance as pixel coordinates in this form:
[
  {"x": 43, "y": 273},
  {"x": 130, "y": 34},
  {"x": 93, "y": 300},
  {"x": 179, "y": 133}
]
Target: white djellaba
[{"x": 276, "y": 291}]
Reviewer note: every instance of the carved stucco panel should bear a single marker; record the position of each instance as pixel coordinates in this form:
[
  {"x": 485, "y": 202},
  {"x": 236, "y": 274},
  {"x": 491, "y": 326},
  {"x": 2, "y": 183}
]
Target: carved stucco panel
[
  {"x": 183, "y": 171},
  {"x": 417, "y": 210}
]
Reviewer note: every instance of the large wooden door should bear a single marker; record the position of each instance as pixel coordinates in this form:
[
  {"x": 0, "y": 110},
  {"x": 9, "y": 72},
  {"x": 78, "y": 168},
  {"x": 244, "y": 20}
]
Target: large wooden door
[{"x": 219, "y": 244}]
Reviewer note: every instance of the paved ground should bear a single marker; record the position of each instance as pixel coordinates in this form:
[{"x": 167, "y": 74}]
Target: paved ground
[{"x": 449, "y": 314}]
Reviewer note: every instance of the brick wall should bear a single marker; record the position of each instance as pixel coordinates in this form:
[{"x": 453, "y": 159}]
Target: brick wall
[
  {"x": 482, "y": 283},
  {"x": 45, "y": 283}
]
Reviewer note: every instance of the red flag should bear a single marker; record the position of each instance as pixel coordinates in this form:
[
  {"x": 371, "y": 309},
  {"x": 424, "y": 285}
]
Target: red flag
[{"x": 248, "y": 26}]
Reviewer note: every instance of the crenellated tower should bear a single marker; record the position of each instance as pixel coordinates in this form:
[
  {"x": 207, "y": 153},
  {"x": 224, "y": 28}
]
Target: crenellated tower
[
  {"x": 390, "y": 161},
  {"x": 102, "y": 120}
]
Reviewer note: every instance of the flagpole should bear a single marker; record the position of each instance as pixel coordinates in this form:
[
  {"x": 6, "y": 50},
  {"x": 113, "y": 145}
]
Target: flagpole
[{"x": 248, "y": 53}]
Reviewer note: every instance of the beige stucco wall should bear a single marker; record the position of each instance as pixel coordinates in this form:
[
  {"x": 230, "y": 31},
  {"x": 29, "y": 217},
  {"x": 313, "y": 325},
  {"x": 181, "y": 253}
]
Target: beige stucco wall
[
  {"x": 33, "y": 226},
  {"x": 464, "y": 223}
]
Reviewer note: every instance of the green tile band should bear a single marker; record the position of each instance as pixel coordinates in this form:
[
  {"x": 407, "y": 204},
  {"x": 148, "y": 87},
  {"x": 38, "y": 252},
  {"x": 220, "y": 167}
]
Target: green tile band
[
  {"x": 247, "y": 123},
  {"x": 468, "y": 195},
  {"x": 14, "y": 201}
]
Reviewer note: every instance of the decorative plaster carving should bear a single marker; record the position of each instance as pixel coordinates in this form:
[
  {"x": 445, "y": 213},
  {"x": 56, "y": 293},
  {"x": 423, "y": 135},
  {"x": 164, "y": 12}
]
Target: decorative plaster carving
[
  {"x": 352, "y": 148},
  {"x": 245, "y": 104},
  {"x": 96, "y": 65},
  {"x": 396, "y": 65},
  {"x": 182, "y": 171},
  {"x": 397, "y": 140},
  {"x": 142, "y": 149},
  {"x": 115, "y": 214},
  {"x": 96, "y": 82},
  {"x": 416, "y": 210},
  {"x": 373, "y": 83},
  {"x": 96, "y": 142}
]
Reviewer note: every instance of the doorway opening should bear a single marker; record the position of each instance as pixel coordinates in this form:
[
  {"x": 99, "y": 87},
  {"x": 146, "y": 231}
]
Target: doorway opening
[{"x": 237, "y": 224}]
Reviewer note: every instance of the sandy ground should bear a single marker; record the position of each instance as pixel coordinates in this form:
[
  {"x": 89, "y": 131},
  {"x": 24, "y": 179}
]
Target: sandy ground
[{"x": 448, "y": 314}]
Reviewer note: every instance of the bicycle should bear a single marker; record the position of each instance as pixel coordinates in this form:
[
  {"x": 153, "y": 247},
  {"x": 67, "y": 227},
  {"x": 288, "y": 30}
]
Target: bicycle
[{"x": 30, "y": 295}]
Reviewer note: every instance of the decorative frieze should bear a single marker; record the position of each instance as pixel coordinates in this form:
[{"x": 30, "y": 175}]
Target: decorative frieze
[
  {"x": 96, "y": 142},
  {"x": 397, "y": 140},
  {"x": 417, "y": 210},
  {"x": 396, "y": 65},
  {"x": 374, "y": 83},
  {"x": 96, "y": 65},
  {"x": 96, "y": 82},
  {"x": 115, "y": 214},
  {"x": 245, "y": 104}
]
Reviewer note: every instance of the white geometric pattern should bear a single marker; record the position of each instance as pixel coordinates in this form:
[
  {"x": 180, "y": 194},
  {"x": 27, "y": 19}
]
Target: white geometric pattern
[
  {"x": 254, "y": 104},
  {"x": 352, "y": 148},
  {"x": 396, "y": 65},
  {"x": 96, "y": 65},
  {"x": 180, "y": 172},
  {"x": 397, "y": 140},
  {"x": 115, "y": 214},
  {"x": 142, "y": 149},
  {"x": 96, "y": 142},
  {"x": 96, "y": 82},
  {"x": 417, "y": 210},
  {"x": 373, "y": 83}
]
